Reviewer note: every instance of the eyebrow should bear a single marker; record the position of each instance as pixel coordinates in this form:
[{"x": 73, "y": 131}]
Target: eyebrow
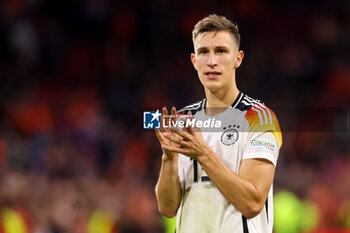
[{"x": 216, "y": 48}]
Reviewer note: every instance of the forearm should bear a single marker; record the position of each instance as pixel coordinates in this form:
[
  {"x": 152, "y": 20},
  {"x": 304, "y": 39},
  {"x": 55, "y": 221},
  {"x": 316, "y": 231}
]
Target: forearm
[
  {"x": 247, "y": 191},
  {"x": 240, "y": 192},
  {"x": 168, "y": 189}
]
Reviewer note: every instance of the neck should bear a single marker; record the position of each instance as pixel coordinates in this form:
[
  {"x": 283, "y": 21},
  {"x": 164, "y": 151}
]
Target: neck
[{"x": 218, "y": 101}]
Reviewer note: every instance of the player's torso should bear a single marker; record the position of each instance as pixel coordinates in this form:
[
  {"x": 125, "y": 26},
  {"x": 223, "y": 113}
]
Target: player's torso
[{"x": 204, "y": 208}]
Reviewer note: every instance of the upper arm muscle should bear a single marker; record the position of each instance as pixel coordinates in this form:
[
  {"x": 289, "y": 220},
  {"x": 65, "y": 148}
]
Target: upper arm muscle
[{"x": 260, "y": 173}]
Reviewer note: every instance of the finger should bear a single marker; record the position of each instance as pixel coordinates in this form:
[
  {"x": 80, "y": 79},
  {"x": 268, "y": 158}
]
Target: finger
[
  {"x": 165, "y": 111},
  {"x": 188, "y": 117},
  {"x": 162, "y": 140},
  {"x": 176, "y": 139},
  {"x": 192, "y": 129},
  {"x": 159, "y": 136},
  {"x": 173, "y": 112},
  {"x": 165, "y": 118},
  {"x": 185, "y": 135},
  {"x": 175, "y": 149}
]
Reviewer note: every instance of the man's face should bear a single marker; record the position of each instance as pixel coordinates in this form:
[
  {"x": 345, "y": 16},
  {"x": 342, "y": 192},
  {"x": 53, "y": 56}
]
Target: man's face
[{"x": 216, "y": 58}]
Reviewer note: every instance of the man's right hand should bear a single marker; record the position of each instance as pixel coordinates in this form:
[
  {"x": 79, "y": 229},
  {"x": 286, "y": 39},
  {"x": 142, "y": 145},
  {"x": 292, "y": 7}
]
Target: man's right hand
[{"x": 167, "y": 155}]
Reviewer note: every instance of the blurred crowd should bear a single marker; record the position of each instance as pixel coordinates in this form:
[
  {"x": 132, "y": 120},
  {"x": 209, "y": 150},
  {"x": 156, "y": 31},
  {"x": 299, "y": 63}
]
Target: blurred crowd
[{"x": 75, "y": 77}]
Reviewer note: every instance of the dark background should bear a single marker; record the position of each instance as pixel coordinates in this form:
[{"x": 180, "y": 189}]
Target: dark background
[{"x": 75, "y": 76}]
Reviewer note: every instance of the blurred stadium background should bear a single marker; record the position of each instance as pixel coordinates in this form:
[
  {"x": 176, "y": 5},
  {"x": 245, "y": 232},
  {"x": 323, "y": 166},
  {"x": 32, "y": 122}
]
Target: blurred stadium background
[{"x": 75, "y": 76}]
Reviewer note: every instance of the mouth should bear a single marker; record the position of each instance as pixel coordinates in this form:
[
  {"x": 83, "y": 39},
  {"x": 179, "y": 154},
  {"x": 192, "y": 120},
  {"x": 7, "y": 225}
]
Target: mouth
[{"x": 212, "y": 74}]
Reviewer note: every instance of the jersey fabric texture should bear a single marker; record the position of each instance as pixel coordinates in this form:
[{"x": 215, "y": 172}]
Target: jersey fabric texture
[{"x": 249, "y": 130}]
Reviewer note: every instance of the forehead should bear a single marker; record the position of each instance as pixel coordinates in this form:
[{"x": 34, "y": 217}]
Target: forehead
[{"x": 215, "y": 39}]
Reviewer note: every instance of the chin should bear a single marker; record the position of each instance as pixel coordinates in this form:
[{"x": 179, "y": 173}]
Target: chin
[{"x": 212, "y": 87}]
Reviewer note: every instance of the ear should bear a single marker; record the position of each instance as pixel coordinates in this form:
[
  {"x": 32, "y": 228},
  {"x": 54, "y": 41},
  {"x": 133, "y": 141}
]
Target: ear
[
  {"x": 193, "y": 60},
  {"x": 239, "y": 59}
]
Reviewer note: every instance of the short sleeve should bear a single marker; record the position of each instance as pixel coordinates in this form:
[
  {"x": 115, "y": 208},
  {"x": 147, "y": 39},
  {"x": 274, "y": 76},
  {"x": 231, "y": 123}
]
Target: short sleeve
[{"x": 264, "y": 137}]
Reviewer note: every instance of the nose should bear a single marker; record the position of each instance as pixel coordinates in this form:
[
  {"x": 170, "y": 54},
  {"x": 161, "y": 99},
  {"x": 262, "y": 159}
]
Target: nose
[{"x": 211, "y": 60}]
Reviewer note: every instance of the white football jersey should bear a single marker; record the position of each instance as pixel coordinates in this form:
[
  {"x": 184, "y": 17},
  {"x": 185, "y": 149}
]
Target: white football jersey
[{"x": 248, "y": 130}]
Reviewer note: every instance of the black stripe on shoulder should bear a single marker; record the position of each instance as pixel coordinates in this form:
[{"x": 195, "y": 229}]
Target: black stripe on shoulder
[
  {"x": 194, "y": 108},
  {"x": 246, "y": 103},
  {"x": 237, "y": 100}
]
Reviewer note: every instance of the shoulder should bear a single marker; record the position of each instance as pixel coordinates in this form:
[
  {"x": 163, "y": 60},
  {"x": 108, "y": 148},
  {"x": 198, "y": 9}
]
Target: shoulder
[
  {"x": 255, "y": 110},
  {"x": 260, "y": 118},
  {"x": 194, "y": 107},
  {"x": 245, "y": 103},
  {"x": 257, "y": 113}
]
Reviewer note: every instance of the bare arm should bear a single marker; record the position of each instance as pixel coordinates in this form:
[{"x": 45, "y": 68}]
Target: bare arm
[
  {"x": 168, "y": 189},
  {"x": 247, "y": 191}
]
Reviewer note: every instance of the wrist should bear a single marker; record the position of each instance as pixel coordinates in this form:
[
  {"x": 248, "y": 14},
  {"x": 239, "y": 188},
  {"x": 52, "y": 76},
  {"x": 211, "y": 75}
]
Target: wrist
[
  {"x": 166, "y": 158},
  {"x": 207, "y": 152}
]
